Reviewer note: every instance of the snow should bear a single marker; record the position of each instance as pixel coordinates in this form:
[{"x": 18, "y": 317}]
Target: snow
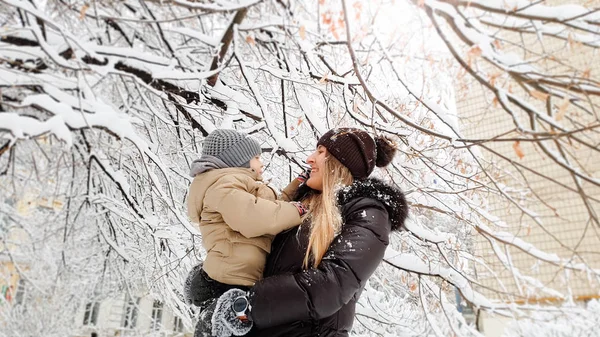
[
  {"x": 458, "y": 320},
  {"x": 116, "y": 175},
  {"x": 180, "y": 75},
  {"x": 569, "y": 320},
  {"x": 28, "y": 7},
  {"x": 536, "y": 27},
  {"x": 256, "y": 127},
  {"x": 23, "y": 127},
  {"x": 52, "y": 37},
  {"x": 210, "y": 40},
  {"x": 308, "y": 110},
  {"x": 518, "y": 276},
  {"x": 12, "y": 52},
  {"x": 75, "y": 102},
  {"x": 286, "y": 144},
  {"x": 540, "y": 11},
  {"x": 114, "y": 245},
  {"x": 530, "y": 249},
  {"x": 9, "y": 77},
  {"x": 559, "y": 159},
  {"x": 412, "y": 263},
  {"x": 234, "y": 98},
  {"x": 589, "y": 88},
  {"x": 217, "y": 6},
  {"x": 129, "y": 53},
  {"x": 447, "y": 117},
  {"x": 508, "y": 61},
  {"x": 503, "y": 99},
  {"x": 144, "y": 146},
  {"x": 51, "y": 52},
  {"x": 427, "y": 234},
  {"x": 272, "y": 21},
  {"x": 105, "y": 116}
]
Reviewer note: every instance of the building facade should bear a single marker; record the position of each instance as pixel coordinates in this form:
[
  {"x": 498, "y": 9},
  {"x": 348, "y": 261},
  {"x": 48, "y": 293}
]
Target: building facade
[
  {"x": 549, "y": 207},
  {"x": 129, "y": 316}
]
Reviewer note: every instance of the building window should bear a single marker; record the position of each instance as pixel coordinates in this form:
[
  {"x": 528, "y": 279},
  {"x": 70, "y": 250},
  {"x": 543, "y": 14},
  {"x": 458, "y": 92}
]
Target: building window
[
  {"x": 177, "y": 324},
  {"x": 157, "y": 310},
  {"x": 21, "y": 292},
  {"x": 131, "y": 313},
  {"x": 91, "y": 313}
]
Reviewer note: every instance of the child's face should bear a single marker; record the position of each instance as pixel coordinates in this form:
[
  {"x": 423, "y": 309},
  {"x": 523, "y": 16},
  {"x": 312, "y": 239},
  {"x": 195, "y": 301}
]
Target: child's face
[
  {"x": 317, "y": 163},
  {"x": 257, "y": 165}
]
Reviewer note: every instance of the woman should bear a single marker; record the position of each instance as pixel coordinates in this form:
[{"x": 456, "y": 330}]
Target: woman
[{"x": 316, "y": 272}]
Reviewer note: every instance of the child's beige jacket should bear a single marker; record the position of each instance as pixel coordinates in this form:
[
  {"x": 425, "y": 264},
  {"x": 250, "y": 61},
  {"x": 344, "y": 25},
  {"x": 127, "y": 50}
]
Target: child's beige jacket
[{"x": 238, "y": 217}]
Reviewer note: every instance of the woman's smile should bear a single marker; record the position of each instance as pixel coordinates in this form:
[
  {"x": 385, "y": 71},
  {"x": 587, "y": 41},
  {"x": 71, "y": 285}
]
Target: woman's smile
[{"x": 316, "y": 160}]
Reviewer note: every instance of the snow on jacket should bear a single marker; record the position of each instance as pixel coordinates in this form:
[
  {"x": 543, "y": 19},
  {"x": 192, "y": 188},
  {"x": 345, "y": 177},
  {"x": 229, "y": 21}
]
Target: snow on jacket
[
  {"x": 238, "y": 217},
  {"x": 321, "y": 301}
]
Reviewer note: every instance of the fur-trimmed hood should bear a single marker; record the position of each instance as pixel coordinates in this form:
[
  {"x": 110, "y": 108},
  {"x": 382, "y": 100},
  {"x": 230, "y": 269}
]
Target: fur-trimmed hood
[{"x": 390, "y": 196}]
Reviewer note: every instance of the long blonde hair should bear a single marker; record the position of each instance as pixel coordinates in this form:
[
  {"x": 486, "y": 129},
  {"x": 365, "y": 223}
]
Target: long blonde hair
[{"x": 325, "y": 216}]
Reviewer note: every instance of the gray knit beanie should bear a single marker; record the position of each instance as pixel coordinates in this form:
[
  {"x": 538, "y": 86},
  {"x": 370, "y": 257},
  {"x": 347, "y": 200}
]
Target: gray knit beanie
[{"x": 234, "y": 148}]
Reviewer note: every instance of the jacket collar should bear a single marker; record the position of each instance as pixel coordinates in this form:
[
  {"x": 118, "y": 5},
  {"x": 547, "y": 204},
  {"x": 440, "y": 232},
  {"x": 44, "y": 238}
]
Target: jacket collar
[{"x": 390, "y": 196}]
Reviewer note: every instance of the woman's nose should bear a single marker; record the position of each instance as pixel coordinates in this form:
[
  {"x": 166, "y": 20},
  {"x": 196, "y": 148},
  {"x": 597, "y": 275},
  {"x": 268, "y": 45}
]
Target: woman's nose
[{"x": 310, "y": 159}]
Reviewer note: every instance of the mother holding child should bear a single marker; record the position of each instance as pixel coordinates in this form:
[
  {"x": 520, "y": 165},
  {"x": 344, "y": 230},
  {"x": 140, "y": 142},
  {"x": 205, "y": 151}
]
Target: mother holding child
[{"x": 296, "y": 265}]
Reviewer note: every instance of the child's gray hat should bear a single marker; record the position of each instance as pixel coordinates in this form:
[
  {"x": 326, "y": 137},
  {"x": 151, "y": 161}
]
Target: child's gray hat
[{"x": 234, "y": 148}]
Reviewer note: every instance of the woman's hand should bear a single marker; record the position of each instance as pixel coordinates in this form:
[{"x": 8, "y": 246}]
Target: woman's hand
[
  {"x": 303, "y": 177},
  {"x": 230, "y": 315}
]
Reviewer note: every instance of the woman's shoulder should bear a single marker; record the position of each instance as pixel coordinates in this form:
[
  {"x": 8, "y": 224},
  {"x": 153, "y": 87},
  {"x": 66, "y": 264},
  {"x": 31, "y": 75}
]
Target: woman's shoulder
[{"x": 375, "y": 193}]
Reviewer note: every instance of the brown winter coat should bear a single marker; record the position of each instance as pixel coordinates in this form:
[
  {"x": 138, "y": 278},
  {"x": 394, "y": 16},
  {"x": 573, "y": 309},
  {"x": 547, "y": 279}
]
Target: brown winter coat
[{"x": 238, "y": 217}]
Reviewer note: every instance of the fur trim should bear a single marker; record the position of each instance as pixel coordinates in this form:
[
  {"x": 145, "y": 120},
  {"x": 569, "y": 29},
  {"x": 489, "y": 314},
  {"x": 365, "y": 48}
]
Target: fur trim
[
  {"x": 224, "y": 322},
  {"x": 392, "y": 197}
]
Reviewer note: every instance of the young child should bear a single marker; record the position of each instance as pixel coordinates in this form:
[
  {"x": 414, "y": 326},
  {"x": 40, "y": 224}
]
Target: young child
[{"x": 237, "y": 213}]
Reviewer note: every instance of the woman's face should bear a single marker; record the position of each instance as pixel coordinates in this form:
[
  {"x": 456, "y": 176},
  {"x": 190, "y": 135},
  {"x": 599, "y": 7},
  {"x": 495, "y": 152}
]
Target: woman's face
[{"x": 317, "y": 164}]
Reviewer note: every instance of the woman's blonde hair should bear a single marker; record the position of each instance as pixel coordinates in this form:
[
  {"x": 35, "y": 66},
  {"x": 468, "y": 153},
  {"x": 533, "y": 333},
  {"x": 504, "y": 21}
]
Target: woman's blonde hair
[{"x": 326, "y": 220}]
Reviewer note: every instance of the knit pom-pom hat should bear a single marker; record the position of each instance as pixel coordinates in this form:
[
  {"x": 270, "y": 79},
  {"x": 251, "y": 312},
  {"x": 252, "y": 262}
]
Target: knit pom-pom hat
[{"x": 358, "y": 151}]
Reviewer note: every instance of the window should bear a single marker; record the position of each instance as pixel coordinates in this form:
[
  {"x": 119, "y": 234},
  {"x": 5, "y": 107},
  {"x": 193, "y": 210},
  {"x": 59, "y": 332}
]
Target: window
[
  {"x": 91, "y": 313},
  {"x": 157, "y": 309},
  {"x": 21, "y": 292},
  {"x": 131, "y": 313},
  {"x": 177, "y": 324}
]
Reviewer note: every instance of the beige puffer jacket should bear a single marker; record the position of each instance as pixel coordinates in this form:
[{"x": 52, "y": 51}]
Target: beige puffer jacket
[{"x": 238, "y": 217}]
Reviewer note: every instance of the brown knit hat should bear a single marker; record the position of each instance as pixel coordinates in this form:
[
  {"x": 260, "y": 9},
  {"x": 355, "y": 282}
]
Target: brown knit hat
[{"x": 357, "y": 150}]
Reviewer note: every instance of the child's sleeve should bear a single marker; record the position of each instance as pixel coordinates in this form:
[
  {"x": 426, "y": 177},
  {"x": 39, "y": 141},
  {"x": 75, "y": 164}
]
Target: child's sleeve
[
  {"x": 247, "y": 214},
  {"x": 290, "y": 190}
]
